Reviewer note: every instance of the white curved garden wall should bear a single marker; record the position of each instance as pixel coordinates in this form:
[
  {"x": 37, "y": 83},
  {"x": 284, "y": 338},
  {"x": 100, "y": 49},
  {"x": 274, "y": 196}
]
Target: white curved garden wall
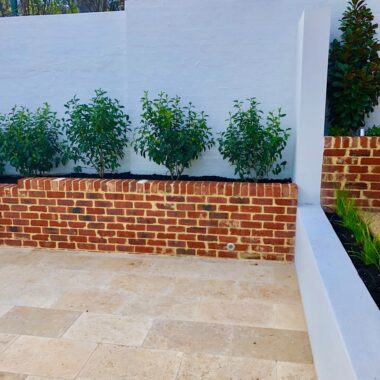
[{"x": 210, "y": 52}]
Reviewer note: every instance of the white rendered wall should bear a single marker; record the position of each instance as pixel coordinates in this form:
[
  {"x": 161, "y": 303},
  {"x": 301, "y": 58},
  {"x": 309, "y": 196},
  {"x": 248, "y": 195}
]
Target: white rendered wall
[
  {"x": 210, "y": 52},
  {"x": 343, "y": 320}
]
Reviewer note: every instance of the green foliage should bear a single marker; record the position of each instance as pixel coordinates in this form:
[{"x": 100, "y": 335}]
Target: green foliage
[
  {"x": 373, "y": 131},
  {"x": 2, "y": 152},
  {"x": 97, "y": 132},
  {"x": 5, "y": 8},
  {"x": 252, "y": 146},
  {"x": 31, "y": 142},
  {"x": 346, "y": 209},
  {"x": 45, "y": 7},
  {"x": 354, "y": 71},
  {"x": 170, "y": 134}
]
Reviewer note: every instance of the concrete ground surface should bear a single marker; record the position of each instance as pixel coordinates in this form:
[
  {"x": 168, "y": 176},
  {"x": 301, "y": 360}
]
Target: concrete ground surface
[{"x": 70, "y": 315}]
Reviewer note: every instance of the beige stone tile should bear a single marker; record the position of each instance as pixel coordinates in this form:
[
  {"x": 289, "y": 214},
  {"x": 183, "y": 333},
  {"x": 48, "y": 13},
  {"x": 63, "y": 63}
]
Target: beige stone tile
[
  {"x": 289, "y": 316},
  {"x": 46, "y": 356},
  {"x": 211, "y": 367},
  {"x": 164, "y": 307},
  {"x": 244, "y": 312},
  {"x": 120, "y": 362},
  {"x": 274, "y": 292},
  {"x": 6, "y": 340},
  {"x": 11, "y": 376},
  {"x": 205, "y": 288},
  {"x": 295, "y": 371},
  {"x": 37, "y": 321},
  {"x": 32, "y": 295},
  {"x": 4, "y": 309},
  {"x": 190, "y": 337},
  {"x": 272, "y": 344},
  {"x": 95, "y": 301},
  {"x": 13, "y": 255},
  {"x": 147, "y": 286},
  {"x": 106, "y": 328}
]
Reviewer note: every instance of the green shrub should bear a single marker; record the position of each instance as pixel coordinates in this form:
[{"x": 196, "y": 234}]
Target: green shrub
[
  {"x": 2, "y": 152},
  {"x": 347, "y": 211},
  {"x": 353, "y": 87},
  {"x": 373, "y": 131},
  {"x": 31, "y": 140},
  {"x": 170, "y": 134},
  {"x": 97, "y": 132},
  {"x": 252, "y": 146}
]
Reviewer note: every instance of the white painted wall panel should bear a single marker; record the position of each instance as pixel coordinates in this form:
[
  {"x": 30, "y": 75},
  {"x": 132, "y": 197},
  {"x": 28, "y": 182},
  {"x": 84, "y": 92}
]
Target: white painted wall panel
[{"x": 210, "y": 52}]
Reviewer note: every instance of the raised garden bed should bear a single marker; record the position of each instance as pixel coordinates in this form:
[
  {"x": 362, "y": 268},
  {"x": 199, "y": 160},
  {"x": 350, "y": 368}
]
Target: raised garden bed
[
  {"x": 147, "y": 216},
  {"x": 368, "y": 273},
  {"x": 13, "y": 179}
]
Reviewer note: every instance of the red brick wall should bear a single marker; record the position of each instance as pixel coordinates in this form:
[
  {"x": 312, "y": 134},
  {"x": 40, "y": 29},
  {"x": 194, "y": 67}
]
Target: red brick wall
[
  {"x": 352, "y": 163},
  {"x": 158, "y": 217}
]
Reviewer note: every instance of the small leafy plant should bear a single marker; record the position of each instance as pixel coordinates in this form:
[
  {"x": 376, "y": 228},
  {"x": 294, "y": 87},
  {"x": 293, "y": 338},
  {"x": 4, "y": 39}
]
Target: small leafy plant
[
  {"x": 2, "y": 153},
  {"x": 170, "y": 134},
  {"x": 251, "y": 145},
  {"x": 353, "y": 87},
  {"x": 32, "y": 140},
  {"x": 97, "y": 132},
  {"x": 373, "y": 131},
  {"x": 347, "y": 211}
]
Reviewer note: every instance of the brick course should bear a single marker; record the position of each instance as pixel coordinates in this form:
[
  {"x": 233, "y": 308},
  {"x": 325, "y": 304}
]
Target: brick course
[
  {"x": 352, "y": 163},
  {"x": 157, "y": 217}
]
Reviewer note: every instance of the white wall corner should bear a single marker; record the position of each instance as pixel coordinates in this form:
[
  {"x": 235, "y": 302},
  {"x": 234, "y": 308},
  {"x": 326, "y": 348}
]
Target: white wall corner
[{"x": 312, "y": 64}]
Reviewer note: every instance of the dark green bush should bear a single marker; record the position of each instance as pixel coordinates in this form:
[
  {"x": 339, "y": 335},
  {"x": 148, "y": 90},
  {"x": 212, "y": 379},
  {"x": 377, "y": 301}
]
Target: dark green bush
[
  {"x": 373, "y": 131},
  {"x": 253, "y": 147},
  {"x": 170, "y": 134},
  {"x": 31, "y": 140},
  {"x": 2, "y": 152},
  {"x": 353, "y": 87},
  {"x": 97, "y": 132}
]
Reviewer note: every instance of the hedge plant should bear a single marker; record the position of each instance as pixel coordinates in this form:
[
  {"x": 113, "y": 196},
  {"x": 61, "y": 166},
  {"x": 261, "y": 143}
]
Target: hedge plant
[
  {"x": 2, "y": 153},
  {"x": 32, "y": 140},
  {"x": 254, "y": 146},
  {"x": 97, "y": 132},
  {"x": 373, "y": 131},
  {"x": 171, "y": 134},
  {"x": 353, "y": 87}
]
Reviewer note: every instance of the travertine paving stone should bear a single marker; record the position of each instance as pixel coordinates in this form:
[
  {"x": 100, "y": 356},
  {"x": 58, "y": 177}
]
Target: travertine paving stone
[
  {"x": 6, "y": 340},
  {"x": 36, "y": 321},
  {"x": 275, "y": 344},
  {"x": 295, "y": 371},
  {"x": 107, "y": 328},
  {"x": 67, "y": 315},
  {"x": 95, "y": 301},
  {"x": 11, "y": 376},
  {"x": 212, "y": 367},
  {"x": 46, "y": 356},
  {"x": 218, "y": 339},
  {"x": 190, "y": 337},
  {"x": 120, "y": 362},
  {"x": 4, "y": 309}
]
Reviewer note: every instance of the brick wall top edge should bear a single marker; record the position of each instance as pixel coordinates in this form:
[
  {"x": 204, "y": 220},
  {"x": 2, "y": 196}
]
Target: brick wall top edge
[
  {"x": 352, "y": 142},
  {"x": 160, "y": 186}
]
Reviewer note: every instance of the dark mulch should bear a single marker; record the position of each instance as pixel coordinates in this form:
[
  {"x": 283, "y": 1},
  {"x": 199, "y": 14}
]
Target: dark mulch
[
  {"x": 128, "y": 175},
  {"x": 368, "y": 273}
]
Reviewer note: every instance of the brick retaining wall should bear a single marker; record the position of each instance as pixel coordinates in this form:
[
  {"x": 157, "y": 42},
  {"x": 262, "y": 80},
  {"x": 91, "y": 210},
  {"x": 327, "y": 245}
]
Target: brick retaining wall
[
  {"x": 352, "y": 163},
  {"x": 157, "y": 217}
]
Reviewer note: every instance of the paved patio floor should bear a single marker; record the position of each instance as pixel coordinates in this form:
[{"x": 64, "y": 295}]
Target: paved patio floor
[{"x": 102, "y": 316}]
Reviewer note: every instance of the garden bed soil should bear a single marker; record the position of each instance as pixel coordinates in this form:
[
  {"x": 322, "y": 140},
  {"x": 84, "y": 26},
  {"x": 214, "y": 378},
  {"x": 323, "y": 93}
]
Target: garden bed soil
[
  {"x": 369, "y": 274},
  {"x": 128, "y": 175}
]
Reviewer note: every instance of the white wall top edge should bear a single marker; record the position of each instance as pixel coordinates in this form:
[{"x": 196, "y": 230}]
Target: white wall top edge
[{"x": 343, "y": 320}]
